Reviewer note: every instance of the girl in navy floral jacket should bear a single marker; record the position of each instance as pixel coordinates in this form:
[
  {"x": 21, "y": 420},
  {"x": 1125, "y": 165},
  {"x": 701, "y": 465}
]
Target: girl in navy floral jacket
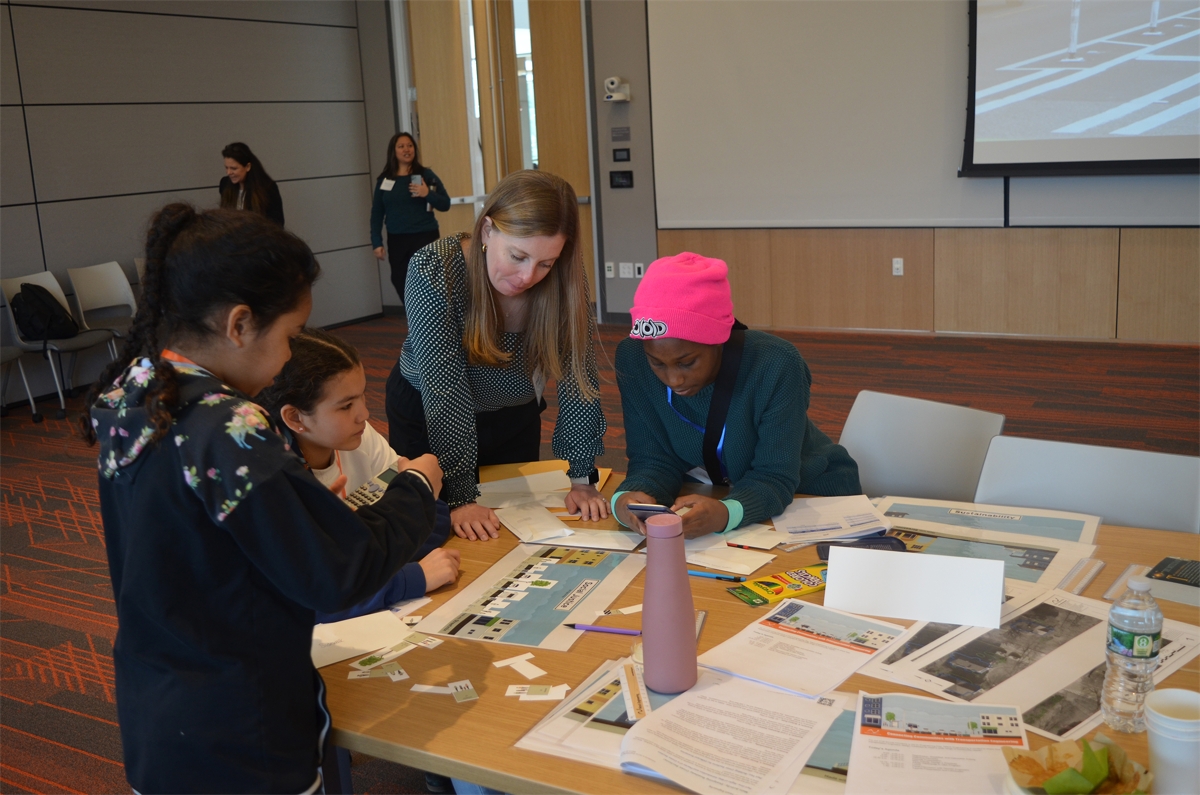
[{"x": 221, "y": 544}]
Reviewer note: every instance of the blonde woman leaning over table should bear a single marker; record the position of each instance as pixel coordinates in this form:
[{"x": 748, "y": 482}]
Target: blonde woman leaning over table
[{"x": 489, "y": 324}]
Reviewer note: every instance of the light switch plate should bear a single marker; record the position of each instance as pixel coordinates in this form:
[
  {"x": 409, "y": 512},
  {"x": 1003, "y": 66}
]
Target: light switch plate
[
  {"x": 626, "y": 270},
  {"x": 609, "y": 270},
  {"x": 897, "y": 266}
]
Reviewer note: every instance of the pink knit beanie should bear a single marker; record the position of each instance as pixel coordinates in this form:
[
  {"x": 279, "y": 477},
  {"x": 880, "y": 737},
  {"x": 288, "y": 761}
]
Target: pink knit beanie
[{"x": 685, "y": 297}]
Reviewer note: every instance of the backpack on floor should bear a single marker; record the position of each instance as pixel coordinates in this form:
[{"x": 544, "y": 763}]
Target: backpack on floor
[{"x": 40, "y": 316}]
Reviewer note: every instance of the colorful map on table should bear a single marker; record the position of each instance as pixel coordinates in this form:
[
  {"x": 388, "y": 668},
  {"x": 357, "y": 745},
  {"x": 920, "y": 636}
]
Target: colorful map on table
[
  {"x": 527, "y": 596},
  {"x": 1058, "y": 525}
]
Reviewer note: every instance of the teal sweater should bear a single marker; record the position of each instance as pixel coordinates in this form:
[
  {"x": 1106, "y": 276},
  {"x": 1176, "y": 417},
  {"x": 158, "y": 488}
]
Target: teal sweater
[
  {"x": 772, "y": 450},
  {"x": 406, "y": 214}
]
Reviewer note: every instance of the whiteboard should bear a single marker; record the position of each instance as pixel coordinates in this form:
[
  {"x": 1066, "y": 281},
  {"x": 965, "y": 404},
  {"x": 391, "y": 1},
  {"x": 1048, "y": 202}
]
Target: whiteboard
[{"x": 812, "y": 113}]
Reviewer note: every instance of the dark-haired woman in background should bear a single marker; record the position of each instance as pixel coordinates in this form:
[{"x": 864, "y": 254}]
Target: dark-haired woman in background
[
  {"x": 406, "y": 194},
  {"x": 247, "y": 186}
]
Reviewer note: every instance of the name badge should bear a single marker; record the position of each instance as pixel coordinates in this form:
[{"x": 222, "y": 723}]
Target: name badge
[{"x": 387, "y": 184}]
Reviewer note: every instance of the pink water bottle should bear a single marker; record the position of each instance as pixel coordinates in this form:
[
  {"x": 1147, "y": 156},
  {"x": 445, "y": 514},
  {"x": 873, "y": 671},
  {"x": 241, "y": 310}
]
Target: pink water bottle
[{"x": 668, "y": 617}]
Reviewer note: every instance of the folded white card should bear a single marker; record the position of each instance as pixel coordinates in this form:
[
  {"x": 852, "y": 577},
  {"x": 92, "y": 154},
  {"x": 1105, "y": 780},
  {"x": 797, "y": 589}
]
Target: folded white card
[
  {"x": 919, "y": 587},
  {"x": 532, "y": 523}
]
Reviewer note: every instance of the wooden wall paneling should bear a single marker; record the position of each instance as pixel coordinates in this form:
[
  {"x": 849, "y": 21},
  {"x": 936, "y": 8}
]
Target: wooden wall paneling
[
  {"x": 556, "y": 36},
  {"x": 1159, "y": 298},
  {"x": 435, "y": 38},
  {"x": 747, "y": 252},
  {"x": 842, "y": 278},
  {"x": 1048, "y": 282},
  {"x": 483, "y": 12},
  {"x": 510, "y": 99}
]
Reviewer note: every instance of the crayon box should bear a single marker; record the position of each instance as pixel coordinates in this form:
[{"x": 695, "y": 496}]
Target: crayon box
[{"x": 759, "y": 591}]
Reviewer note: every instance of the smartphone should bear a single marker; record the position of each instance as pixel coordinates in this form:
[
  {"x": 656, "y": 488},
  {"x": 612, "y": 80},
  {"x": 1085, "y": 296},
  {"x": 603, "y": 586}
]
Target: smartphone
[
  {"x": 372, "y": 491},
  {"x": 888, "y": 543},
  {"x": 644, "y": 510},
  {"x": 416, "y": 179}
]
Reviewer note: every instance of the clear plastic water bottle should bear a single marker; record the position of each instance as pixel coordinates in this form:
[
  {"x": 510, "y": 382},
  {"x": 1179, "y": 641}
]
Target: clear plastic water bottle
[{"x": 1134, "y": 638}]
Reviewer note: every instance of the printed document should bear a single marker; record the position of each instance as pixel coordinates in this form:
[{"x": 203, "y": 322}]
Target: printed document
[
  {"x": 728, "y": 736},
  {"x": 802, "y": 647},
  {"x": 827, "y": 518},
  {"x": 1046, "y": 524},
  {"x": 911, "y": 744}
]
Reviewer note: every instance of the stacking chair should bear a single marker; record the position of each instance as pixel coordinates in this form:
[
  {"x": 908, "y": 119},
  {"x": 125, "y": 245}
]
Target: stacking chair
[
  {"x": 105, "y": 298},
  {"x": 907, "y": 447},
  {"x": 71, "y": 345},
  {"x": 8, "y": 356},
  {"x": 1131, "y": 488}
]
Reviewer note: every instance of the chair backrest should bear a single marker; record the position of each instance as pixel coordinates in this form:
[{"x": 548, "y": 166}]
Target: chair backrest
[
  {"x": 1131, "y": 488},
  {"x": 907, "y": 447},
  {"x": 101, "y": 286},
  {"x": 46, "y": 279}
]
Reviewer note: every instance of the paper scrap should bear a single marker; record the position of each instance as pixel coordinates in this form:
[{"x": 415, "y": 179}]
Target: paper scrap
[
  {"x": 557, "y": 693},
  {"x": 431, "y": 689},
  {"x": 412, "y": 621},
  {"x": 527, "y": 669},
  {"x": 759, "y": 536},
  {"x": 519, "y": 690},
  {"x": 463, "y": 691},
  {"x": 532, "y": 523},
  {"x": 355, "y": 637},
  {"x": 831, "y": 517},
  {"x": 620, "y": 611},
  {"x": 937, "y": 588},
  {"x": 383, "y": 655},
  {"x": 392, "y": 671},
  {"x": 501, "y": 663}
]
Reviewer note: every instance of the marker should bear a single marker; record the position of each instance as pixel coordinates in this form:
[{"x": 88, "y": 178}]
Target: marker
[
  {"x": 594, "y": 628},
  {"x": 738, "y": 546},
  {"x": 712, "y": 576}
]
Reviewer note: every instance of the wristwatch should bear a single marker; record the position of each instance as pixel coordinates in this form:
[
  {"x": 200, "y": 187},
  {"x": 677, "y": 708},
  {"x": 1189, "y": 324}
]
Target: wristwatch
[{"x": 590, "y": 479}]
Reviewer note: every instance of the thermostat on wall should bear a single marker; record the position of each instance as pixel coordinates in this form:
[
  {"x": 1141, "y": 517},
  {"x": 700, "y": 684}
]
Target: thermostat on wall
[{"x": 620, "y": 179}]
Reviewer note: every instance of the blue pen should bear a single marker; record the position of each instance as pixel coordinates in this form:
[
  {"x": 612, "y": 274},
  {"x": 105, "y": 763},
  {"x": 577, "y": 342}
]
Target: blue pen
[{"x": 712, "y": 576}]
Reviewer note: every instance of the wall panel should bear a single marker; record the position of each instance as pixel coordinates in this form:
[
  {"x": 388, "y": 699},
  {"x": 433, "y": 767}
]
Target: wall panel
[
  {"x": 1159, "y": 297},
  {"x": 1051, "y": 282},
  {"x": 339, "y": 294},
  {"x": 10, "y": 88},
  {"x": 145, "y": 148},
  {"x": 79, "y": 56},
  {"x": 331, "y": 213},
  {"x": 305, "y": 12},
  {"x": 747, "y": 252},
  {"x": 1149, "y": 200},
  {"x": 16, "y": 182},
  {"x": 20, "y": 245},
  {"x": 435, "y": 33}
]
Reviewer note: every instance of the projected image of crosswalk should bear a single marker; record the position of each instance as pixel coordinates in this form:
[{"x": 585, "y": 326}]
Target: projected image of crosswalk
[{"x": 1090, "y": 69}]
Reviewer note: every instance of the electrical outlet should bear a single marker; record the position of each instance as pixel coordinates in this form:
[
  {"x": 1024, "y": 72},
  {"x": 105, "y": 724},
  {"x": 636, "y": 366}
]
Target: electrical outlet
[
  {"x": 639, "y": 270},
  {"x": 897, "y": 266},
  {"x": 626, "y": 270},
  {"x": 609, "y": 270}
]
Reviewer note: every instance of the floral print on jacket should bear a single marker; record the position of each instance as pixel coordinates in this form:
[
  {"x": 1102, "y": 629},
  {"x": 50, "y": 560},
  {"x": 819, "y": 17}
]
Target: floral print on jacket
[{"x": 226, "y": 443}]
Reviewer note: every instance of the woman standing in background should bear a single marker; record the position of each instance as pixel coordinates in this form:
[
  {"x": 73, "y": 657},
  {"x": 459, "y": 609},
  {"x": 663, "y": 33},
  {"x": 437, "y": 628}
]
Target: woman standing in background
[
  {"x": 406, "y": 193},
  {"x": 247, "y": 186}
]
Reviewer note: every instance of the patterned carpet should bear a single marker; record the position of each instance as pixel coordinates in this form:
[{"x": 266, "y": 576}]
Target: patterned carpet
[{"x": 58, "y": 730}]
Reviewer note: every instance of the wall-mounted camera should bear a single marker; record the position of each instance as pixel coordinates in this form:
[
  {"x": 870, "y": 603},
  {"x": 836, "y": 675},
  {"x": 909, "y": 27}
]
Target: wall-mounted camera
[{"x": 616, "y": 90}]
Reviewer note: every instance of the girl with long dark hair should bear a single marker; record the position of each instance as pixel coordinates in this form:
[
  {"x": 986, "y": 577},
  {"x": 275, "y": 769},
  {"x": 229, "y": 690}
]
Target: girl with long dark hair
[
  {"x": 221, "y": 544},
  {"x": 406, "y": 194},
  {"x": 247, "y": 186}
]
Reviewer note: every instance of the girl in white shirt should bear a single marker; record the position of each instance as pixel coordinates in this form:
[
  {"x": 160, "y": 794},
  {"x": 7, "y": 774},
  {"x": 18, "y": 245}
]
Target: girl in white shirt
[{"x": 319, "y": 399}]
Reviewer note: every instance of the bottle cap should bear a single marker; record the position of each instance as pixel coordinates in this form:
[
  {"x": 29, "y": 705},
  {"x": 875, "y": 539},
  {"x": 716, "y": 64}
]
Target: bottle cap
[
  {"x": 664, "y": 525},
  {"x": 1139, "y": 584}
]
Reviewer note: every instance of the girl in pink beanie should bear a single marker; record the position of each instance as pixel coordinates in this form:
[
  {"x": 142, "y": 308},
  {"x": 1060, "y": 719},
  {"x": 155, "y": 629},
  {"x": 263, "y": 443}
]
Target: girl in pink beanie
[{"x": 684, "y": 340}]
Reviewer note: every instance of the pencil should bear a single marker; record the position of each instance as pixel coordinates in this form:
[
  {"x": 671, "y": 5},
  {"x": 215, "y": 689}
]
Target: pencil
[
  {"x": 712, "y": 576},
  {"x": 594, "y": 628}
]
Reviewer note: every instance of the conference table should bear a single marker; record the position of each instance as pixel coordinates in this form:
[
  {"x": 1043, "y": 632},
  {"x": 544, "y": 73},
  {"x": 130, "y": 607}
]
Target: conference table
[{"x": 474, "y": 740}]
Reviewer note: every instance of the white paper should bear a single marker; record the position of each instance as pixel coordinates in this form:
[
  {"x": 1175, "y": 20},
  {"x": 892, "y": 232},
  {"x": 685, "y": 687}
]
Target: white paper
[
  {"x": 356, "y": 637},
  {"x": 584, "y": 538},
  {"x": 404, "y": 609},
  {"x": 432, "y": 689},
  {"x": 1047, "y": 659},
  {"x": 527, "y": 669},
  {"x": 532, "y": 523},
  {"x": 802, "y": 647},
  {"x": 387, "y": 184},
  {"x": 759, "y": 536},
  {"x": 502, "y": 663},
  {"x": 911, "y": 745},
  {"x": 816, "y": 518},
  {"x": 729, "y": 736},
  {"x": 547, "y": 489},
  {"x": 561, "y": 586},
  {"x": 620, "y": 611},
  {"x": 726, "y": 558},
  {"x": 877, "y": 582}
]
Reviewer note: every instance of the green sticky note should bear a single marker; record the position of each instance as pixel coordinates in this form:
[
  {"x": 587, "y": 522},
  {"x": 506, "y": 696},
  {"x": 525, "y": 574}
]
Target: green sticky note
[
  {"x": 1095, "y": 764},
  {"x": 1068, "y": 782}
]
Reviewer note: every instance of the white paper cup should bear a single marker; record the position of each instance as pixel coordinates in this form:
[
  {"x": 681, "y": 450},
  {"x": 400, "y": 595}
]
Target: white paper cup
[{"x": 1173, "y": 732}]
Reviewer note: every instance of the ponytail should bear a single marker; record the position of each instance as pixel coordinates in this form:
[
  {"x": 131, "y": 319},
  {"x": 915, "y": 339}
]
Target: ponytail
[{"x": 196, "y": 265}]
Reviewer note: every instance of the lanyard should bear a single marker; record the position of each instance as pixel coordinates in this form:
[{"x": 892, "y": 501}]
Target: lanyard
[{"x": 720, "y": 444}]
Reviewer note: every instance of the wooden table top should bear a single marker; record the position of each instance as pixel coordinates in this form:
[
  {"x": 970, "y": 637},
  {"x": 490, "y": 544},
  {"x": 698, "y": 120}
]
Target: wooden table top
[{"x": 474, "y": 740}]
